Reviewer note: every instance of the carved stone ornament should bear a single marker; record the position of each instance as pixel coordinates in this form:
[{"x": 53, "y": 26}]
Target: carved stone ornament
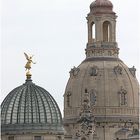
[
  {"x": 85, "y": 103},
  {"x": 93, "y": 71},
  {"x": 118, "y": 70},
  {"x": 115, "y": 51},
  {"x": 93, "y": 97},
  {"x": 123, "y": 96},
  {"x": 86, "y": 122},
  {"x": 122, "y": 91},
  {"x": 133, "y": 71},
  {"x": 74, "y": 71}
]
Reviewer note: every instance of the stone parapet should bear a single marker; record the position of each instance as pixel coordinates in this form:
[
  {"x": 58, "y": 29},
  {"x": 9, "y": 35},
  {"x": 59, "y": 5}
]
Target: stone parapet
[{"x": 108, "y": 111}]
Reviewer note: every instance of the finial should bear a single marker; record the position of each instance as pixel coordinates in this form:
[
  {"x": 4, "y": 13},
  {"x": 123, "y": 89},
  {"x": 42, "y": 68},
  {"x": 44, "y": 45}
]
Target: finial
[{"x": 28, "y": 65}]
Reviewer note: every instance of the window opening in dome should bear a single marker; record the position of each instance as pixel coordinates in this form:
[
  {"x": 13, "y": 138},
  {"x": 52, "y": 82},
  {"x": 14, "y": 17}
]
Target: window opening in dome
[
  {"x": 68, "y": 99},
  {"x": 86, "y": 91},
  {"x": 93, "y": 97},
  {"x": 93, "y": 71},
  {"x": 123, "y": 97},
  {"x": 93, "y": 31},
  {"x": 106, "y": 31},
  {"x": 37, "y": 138},
  {"x": 11, "y": 138}
]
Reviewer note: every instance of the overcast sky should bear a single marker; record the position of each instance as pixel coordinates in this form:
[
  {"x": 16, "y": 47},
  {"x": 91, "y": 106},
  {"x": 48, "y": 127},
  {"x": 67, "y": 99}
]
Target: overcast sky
[{"x": 55, "y": 31}]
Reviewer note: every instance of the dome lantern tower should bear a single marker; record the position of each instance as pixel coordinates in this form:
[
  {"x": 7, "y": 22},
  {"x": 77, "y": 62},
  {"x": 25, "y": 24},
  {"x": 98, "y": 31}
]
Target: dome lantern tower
[
  {"x": 112, "y": 87},
  {"x": 101, "y": 30}
]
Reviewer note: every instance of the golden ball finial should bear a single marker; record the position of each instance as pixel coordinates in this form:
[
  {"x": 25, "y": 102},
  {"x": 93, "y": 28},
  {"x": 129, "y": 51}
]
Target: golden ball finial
[{"x": 28, "y": 75}]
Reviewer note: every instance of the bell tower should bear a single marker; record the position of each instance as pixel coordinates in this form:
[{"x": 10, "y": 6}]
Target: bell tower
[{"x": 101, "y": 30}]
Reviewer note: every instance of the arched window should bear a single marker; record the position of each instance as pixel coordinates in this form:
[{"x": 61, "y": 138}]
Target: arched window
[
  {"x": 93, "y": 31},
  {"x": 68, "y": 99},
  {"x": 106, "y": 31},
  {"x": 123, "y": 97},
  {"x": 86, "y": 90},
  {"x": 93, "y": 71},
  {"x": 93, "y": 97},
  {"x": 123, "y": 100}
]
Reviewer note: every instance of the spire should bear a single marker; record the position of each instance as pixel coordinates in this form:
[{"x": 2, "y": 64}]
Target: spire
[{"x": 101, "y": 30}]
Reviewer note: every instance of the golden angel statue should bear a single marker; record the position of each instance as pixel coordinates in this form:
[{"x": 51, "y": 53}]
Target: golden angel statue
[{"x": 29, "y": 61}]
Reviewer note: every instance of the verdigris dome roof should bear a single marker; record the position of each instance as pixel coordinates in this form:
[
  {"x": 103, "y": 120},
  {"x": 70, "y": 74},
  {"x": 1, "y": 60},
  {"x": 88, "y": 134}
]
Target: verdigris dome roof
[{"x": 30, "y": 108}]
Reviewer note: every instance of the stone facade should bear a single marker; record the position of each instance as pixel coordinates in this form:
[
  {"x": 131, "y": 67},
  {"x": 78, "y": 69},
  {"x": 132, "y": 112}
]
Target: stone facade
[
  {"x": 30, "y": 136},
  {"x": 101, "y": 100},
  {"x": 112, "y": 87}
]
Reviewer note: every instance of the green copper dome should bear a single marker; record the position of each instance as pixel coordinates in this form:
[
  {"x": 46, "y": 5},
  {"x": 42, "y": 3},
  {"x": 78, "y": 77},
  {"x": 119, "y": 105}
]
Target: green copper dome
[{"x": 30, "y": 108}]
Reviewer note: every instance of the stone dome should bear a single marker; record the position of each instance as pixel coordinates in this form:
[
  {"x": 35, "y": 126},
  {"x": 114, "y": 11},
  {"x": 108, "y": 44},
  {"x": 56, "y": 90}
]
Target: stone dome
[
  {"x": 101, "y": 6},
  {"x": 30, "y": 108},
  {"x": 112, "y": 86},
  {"x": 102, "y": 94},
  {"x": 101, "y": 3}
]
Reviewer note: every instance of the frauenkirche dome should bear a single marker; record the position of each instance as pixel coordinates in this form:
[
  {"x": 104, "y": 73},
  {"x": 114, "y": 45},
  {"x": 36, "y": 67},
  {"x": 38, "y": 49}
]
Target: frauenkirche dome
[{"x": 101, "y": 99}]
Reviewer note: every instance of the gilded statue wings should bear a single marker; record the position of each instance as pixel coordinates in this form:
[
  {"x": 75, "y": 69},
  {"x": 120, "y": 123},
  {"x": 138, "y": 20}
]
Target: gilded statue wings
[{"x": 27, "y": 57}]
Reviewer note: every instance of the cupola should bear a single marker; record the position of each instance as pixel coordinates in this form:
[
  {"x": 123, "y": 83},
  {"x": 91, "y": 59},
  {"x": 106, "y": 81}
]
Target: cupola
[
  {"x": 101, "y": 30},
  {"x": 101, "y": 6}
]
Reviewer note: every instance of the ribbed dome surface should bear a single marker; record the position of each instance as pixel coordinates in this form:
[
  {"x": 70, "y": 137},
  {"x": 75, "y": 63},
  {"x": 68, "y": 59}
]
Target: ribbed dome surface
[
  {"x": 101, "y": 3},
  {"x": 30, "y": 107},
  {"x": 101, "y": 6}
]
